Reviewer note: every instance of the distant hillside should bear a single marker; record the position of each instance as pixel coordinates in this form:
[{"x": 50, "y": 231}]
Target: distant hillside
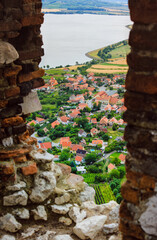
[{"x": 83, "y": 6}]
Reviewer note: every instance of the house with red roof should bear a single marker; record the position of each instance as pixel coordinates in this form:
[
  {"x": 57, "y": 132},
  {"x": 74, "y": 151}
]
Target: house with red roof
[
  {"x": 64, "y": 120},
  {"x": 122, "y": 109},
  {"x": 64, "y": 139},
  {"x": 104, "y": 121},
  {"x": 94, "y": 121},
  {"x": 55, "y": 123},
  {"x": 78, "y": 160},
  {"x": 82, "y": 105},
  {"x": 75, "y": 147},
  {"x": 46, "y": 145},
  {"x": 96, "y": 142},
  {"x": 120, "y": 122},
  {"x": 94, "y": 131},
  {"x": 112, "y": 121},
  {"x": 66, "y": 145},
  {"x": 40, "y": 120},
  {"x": 32, "y": 122},
  {"x": 111, "y": 167},
  {"x": 122, "y": 158},
  {"x": 113, "y": 100}
]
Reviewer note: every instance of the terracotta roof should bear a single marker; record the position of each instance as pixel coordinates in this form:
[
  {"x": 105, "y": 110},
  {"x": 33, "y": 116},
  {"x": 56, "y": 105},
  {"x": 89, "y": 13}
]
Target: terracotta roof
[
  {"x": 78, "y": 158},
  {"x": 33, "y": 121},
  {"x": 96, "y": 142},
  {"x": 113, "y": 120},
  {"x": 64, "y": 118},
  {"x": 94, "y": 131},
  {"x": 55, "y": 123},
  {"x": 40, "y": 119},
  {"x": 94, "y": 120},
  {"x": 46, "y": 145},
  {"x": 75, "y": 147},
  {"x": 82, "y": 105},
  {"x": 122, "y": 109},
  {"x": 66, "y": 144},
  {"x": 111, "y": 166},
  {"x": 113, "y": 100},
  {"x": 104, "y": 120},
  {"x": 122, "y": 157},
  {"x": 64, "y": 139}
]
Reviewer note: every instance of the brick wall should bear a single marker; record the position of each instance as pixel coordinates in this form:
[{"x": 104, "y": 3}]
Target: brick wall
[
  {"x": 139, "y": 207},
  {"x": 20, "y": 54}
]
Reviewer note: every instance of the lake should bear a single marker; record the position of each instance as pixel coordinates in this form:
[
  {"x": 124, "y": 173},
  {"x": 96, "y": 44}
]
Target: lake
[{"x": 67, "y": 38}]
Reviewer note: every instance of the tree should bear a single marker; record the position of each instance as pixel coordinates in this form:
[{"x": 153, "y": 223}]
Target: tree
[
  {"x": 41, "y": 133},
  {"x": 119, "y": 198},
  {"x": 90, "y": 158},
  {"x": 122, "y": 171},
  {"x": 116, "y": 161},
  {"x": 114, "y": 174},
  {"x": 64, "y": 155},
  {"x": 115, "y": 127}
]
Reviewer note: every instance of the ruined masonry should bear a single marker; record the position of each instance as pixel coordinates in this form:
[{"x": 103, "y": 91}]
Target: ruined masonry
[
  {"x": 138, "y": 211},
  {"x": 33, "y": 189}
]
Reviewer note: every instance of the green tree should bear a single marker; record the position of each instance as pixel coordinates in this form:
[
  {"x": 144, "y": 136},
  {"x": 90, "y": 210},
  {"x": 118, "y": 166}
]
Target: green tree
[
  {"x": 114, "y": 174},
  {"x": 64, "y": 155},
  {"x": 90, "y": 158},
  {"x": 41, "y": 133},
  {"x": 122, "y": 171}
]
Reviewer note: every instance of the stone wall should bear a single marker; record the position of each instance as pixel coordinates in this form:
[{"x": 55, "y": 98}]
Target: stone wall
[{"x": 139, "y": 209}]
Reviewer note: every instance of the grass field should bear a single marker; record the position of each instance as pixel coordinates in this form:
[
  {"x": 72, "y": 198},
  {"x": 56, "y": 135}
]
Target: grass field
[{"x": 120, "y": 51}]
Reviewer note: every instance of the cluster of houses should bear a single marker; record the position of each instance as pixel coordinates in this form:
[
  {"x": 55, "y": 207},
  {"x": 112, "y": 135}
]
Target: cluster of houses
[{"x": 112, "y": 166}]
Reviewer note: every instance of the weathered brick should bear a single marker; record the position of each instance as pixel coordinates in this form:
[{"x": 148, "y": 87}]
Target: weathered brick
[
  {"x": 25, "y": 88},
  {"x": 130, "y": 194},
  {"x": 7, "y": 26},
  {"x": 15, "y": 101},
  {"x": 36, "y": 83},
  {"x": 12, "y": 71},
  {"x": 131, "y": 229},
  {"x": 7, "y": 168},
  {"x": 13, "y": 121},
  {"x": 3, "y": 103},
  {"x": 143, "y": 11},
  {"x": 147, "y": 182},
  {"x": 140, "y": 37},
  {"x": 32, "y": 20},
  {"x": 7, "y": 154},
  {"x": 20, "y": 159},
  {"x": 19, "y": 129},
  {"x": 12, "y": 92},
  {"x": 10, "y": 111},
  {"x": 30, "y": 169},
  {"x": 141, "y": 83},
  {"x": 32, "y": 75},
  {"x": 124, "y": 211},
  {"x": 31, "y": 54}
]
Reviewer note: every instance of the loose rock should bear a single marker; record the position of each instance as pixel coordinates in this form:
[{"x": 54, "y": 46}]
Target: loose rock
[
  {"x": 88, "y": 194},
  {"x": 7, "y": 237},
  {"x": 44, "y": 157},
  {"x": 45, "y": 182},
  {"x": 63, "y": 199},
  {"x": 76, "y": 215},
  {"x": 40, "y": 213},
  {"x": 110, "y": 228},
  {"x": 9, "y": 223},
  {"x": 16, "y": 187},
  {"x": 22, "y": 213},
  {"x": 61, "y": 209},
  {"x": 63, "y": 237},
  {"x": 8, "y": 53},
  {"x": 18, "y": 198},
  {"x": 47, "y": 236},
  {"x": 89, "y": 227},
  {"x": 65, "y": 221}
]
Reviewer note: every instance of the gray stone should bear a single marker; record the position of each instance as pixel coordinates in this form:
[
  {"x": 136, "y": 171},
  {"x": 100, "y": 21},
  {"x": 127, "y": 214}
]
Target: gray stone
[
  {"x": 18, "y": 198},
  {"x": 47, "y": 236},
  {"x": 87, "y": 195},
  {"x": 9, "y": 223},
  {"x": 65, "y": 221},
  {"x": 31, "y": 103},
  {"x": 41, "y": 157},
  {"x": 113, "y": 216},
  {"x": 63, "y": 237},
  {"x": 8, "y": 53},
  {"x": 40, "y": 213},
  {"x": 8, "y": 142},
  {"x": 89, "y": 227},
  {"x": 16, "y": 187},
  {"x": 45, "y": 182},
  {"x": 148, "y": 219},
  {"x": 63, "y": 209},
  {"x": 29, "y": 232},
  {"x": 22, "y": 213},
  {"x": 110, "y": 228},
  {"x": 76, "y": 214},
  {"x": 7, "y": 237},
  {"x": 63, "y": 199},
  {"x": 114, "y": 237}
]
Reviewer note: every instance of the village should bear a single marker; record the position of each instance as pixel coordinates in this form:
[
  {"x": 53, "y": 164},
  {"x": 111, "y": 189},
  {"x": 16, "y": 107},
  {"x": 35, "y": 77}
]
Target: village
[{"x": 85, "y": 129}]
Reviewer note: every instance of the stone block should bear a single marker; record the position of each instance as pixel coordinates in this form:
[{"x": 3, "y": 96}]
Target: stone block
[
  {"x": 19, "y": 129},
  {"x": 3, "y": 103},
  {"x": 12, "y": 25},
  {"x": 17, "y": 198},
  {"x": 12, "y": 71},
  {"x": 10, "y": 111},
  {"x": 131, "y": 229},
  {"x": 15, "y": 101},
  {"x": 20, "y": 159},
  {"x": 124, "y": 212},
  {"x": 7, "y": 154},
  {"x": 31, "y": 103},
  {"x": 31, "y": 54},
  {"x": 36, "y": 83},
  {"x": 30, "y": 169},
  {"x": 25, "y": 88}
]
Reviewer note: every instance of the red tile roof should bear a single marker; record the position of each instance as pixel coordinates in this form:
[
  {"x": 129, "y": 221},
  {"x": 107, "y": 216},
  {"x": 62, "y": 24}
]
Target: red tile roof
[
  {"x": 55, "y": 123},
  {"x": 40, "y": 119},
  {"x": 122, "y": 157},
  {"x": 64, "y": 119},
  {"x": 66, "y": 144},
  {"x": 111, "y": 166},
  {"x": 96, "y": 142},
  {"x": 74, "y": 147},
  {"x": 64, "y": 139},
  {"x": 78, "y": 158},
  {"x": 46, "y": 145}
]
